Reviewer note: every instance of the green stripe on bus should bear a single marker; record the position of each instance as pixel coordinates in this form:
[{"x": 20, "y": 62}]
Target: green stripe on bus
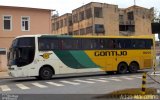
[
  {"x": 75, "y": 59},
  {"x": 83, "y": 59}
]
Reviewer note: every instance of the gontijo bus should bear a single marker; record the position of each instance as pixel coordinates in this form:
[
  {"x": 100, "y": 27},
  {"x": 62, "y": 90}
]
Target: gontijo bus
[{"x": 43, "y": 56}]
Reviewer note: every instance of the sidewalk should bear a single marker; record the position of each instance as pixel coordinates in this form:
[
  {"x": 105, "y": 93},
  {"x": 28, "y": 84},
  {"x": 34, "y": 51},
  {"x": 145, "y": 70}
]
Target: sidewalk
[{"x": 4, "y": 75}]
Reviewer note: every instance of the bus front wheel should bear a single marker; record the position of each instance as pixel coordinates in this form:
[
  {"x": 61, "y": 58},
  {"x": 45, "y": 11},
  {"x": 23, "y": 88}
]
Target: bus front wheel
[
  {"x": 45, "y": 73},
  {"x": 133, "y": 67},
  {"x": 122, "y": 68}
]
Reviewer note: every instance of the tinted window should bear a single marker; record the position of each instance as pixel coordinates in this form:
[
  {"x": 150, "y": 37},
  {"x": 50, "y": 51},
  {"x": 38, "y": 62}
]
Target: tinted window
[
  {"x": 26, "y": 42},
  {"x": 142, "y": 43},
  {"x": 149, "y": 43},
  {"x": 71, "y": 44},
  {"x": 15, "y": 42},
  {"x": 48, "y": 44},
  {"x": 88, "y": 44},
  {"x": 92, "y": 44}
]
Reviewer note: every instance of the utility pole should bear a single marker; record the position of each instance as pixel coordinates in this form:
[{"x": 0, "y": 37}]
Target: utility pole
[{"x": 134, "y": 2}]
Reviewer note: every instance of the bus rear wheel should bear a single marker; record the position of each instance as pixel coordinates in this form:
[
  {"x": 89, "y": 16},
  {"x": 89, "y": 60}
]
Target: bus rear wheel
[
  {"x": 45, "y": 73},
  {"x": 122, "y": 68},
  {"x": 133, "y": 67}
]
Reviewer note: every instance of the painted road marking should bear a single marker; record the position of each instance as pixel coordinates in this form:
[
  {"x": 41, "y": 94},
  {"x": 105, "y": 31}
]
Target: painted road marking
[
  {"x": 5, "y": 88},
  {"x": 136, "y": 76},
  {"x": 68, "y": 82},
  {"x": 55, "y": 84},
  {"x": 21, "y": 86},
  {"x": 104, "y": 78},
  {"x": 157, "y": 73},
  {"x": 127, "y": 78},
  {"x": 39, "y": 85},
  {"x": 115, "y": 79},
  {"x": 99, "y": 80},
  {"x": 84, "y": 81}
]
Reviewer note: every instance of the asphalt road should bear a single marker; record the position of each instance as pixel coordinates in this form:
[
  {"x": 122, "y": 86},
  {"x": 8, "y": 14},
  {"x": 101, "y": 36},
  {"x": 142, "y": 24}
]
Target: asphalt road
[
  {"x": 83, "y": 86},
  {"x": 73, "y": 86}
]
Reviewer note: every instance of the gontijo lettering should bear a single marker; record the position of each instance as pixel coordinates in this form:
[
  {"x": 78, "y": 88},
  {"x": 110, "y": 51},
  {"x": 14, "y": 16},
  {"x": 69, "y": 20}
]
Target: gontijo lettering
[{"x": 110, "y": 53}]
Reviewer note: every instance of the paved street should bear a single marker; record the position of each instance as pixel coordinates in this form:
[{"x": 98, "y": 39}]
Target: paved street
[
  {"x": 93, "y": 84},
  {"x": 89, "y": 85}
]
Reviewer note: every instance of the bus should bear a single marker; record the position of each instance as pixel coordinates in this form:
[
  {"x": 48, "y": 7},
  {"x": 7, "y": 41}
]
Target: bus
[{"x": 43, "y": 56}]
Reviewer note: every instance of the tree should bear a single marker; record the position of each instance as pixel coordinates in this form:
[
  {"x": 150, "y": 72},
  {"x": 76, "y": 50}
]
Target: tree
[{"x": 156, "y": 18}]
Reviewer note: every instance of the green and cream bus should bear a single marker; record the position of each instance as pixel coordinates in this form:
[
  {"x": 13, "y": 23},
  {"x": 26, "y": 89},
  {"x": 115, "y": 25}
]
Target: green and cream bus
[{"x": 43, "y": 56}]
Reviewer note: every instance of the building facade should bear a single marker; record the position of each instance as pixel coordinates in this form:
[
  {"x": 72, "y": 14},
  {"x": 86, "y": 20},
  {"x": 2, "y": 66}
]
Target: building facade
[
  {"x": 135, "y": 20},
  {"x": 90, "y": 19},
  {"x": 16, "y": 21},
  {"x": 105, "y": 19},
  {"x": 62, "y": 25}
]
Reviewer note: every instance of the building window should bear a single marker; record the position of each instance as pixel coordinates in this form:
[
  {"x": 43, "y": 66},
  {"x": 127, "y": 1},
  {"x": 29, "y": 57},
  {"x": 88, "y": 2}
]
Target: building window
[
  {"x": 81, "y": 16},
  {"x": 70, "y": 21},
  {"x": 53, "y": 27},
  {"x": 98, "y": 12},
  {"x": 130, "y": 15},
  {"x": 82, "y": 31},
  {"x": 7, "y": 23},
  {"x": 76, "y": 32},
  {"x": 121, "y": 19},
  {"x": 3, "y": 51},
  {"x": 61, "y": 23},
  {"x": 75, "y": 18},
  {"x": 57, "y": 25},
  {"x": 65, "y": 22},
  {"x": 88, "y": 13},
  {"x": 89, "y": 29},
  {"x": 127, "y": 28},
  {"x": 25, "y": 24},
  {"x": 99, "y": 28}
]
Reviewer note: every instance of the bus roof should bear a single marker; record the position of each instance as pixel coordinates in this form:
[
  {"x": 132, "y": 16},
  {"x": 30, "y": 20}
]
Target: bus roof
[{"x": 85, "y": 36}]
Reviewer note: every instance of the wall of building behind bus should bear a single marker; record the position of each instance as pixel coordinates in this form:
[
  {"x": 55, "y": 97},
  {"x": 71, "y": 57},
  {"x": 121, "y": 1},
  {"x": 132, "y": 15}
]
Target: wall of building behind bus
[
  {"x": 3, "y": 63},
  {"x": 40, "y": 23},
  {"x": 134, "y": 20},
  {"x": 3, "y": 59}
]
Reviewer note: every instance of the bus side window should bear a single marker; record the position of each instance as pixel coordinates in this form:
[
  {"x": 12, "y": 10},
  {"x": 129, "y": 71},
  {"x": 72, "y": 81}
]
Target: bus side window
[
  {"x": 149, "y": 44},
  {"x": 101, "y": 43},
  {"x": 53, "y": 45},
  {"x": 110, "y": 44},
  {"x": 127, "y": 44},
  {"x": 41, "y": 46},
  {"x": 47, "y": 46},
  {"x": 142, "y": 44},
  {"x": 118, "y": 44},
  {"x": 114, "y": 44},
  {"x": 70, "y": 44},
  {"x": 95, "y": 44}
]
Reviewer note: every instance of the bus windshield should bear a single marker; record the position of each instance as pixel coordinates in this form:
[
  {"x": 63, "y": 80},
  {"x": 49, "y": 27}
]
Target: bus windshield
[{"x": 22, "y": 51}]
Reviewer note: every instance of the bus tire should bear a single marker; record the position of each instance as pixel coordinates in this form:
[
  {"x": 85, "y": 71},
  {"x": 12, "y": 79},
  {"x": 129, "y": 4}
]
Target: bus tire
[
  {"x": 46, "y": 73},
  {"x": 122, "y": 68},
  {"x": 133, "y": 67}
]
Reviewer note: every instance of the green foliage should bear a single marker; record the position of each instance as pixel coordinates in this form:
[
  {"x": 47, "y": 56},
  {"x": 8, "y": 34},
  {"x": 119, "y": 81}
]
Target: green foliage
[{"x": 156, "y": 15}]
